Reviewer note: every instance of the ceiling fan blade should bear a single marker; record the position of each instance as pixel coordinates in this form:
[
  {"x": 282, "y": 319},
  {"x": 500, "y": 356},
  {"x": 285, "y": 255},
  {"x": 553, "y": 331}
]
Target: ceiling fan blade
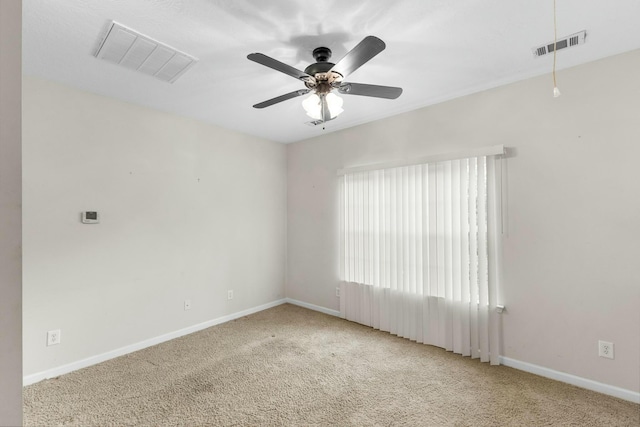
[
  {"x": 369, "y": 47},
  {"x": 278, "y": 66},
  {"x": 387, "y": 92},
  {"x": 281, "y": 98}
]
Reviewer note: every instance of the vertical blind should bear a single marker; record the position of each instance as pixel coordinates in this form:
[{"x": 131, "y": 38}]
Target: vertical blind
[{"x": 420, "y": 253}]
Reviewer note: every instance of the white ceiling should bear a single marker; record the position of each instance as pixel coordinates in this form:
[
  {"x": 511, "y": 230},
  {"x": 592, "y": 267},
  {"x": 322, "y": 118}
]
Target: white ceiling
[{"x": 436, "y": 50}]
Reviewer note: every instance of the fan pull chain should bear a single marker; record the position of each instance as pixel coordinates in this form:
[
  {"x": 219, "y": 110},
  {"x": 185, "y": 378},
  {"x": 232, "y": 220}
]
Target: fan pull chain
[{"x": 556, "y": 91}]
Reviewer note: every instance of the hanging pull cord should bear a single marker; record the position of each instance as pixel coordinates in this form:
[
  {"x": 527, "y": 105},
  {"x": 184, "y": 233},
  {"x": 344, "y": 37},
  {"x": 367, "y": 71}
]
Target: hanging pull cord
[{"x": 556, "y": 91}]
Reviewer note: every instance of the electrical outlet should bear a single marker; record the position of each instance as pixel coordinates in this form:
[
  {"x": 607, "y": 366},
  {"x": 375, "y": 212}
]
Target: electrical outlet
[
  {"x": 53, "y": 337},
  {"x": 229, "y": 294},
  {"x": 605, "y": 349},
  {"x": 338, "y": 292},
  {"x": 187, "y": 304}
]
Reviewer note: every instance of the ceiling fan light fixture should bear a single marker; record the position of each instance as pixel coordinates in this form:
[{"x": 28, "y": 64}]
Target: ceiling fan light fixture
[
  {"x": 313, "y": 105},
  {"x": 335, "y": 104}
]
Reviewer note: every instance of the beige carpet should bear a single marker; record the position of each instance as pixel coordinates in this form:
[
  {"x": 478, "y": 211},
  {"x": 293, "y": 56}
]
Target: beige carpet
[{"x": 292, "y": 366}]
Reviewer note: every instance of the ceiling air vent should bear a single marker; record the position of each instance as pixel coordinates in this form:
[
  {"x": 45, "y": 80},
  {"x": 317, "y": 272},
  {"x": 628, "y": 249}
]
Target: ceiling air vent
[
  {"x": 136, "y": 51},
  {"x": 568, "y": 41}
]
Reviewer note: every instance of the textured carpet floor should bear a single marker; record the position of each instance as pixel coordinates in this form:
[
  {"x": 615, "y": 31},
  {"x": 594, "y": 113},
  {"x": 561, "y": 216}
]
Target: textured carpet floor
[{"x": 292, "y": 366}]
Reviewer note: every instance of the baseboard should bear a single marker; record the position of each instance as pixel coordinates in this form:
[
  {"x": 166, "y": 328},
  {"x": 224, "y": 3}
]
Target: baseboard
[
  {"x": 70, "y": 367},
  {"x": 313, "y": 307},
  {"x": 610, "y": 390}
]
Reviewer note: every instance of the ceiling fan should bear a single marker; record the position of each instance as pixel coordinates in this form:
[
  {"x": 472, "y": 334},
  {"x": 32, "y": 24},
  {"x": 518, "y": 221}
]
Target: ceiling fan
[{"x": 323, "y": 78}]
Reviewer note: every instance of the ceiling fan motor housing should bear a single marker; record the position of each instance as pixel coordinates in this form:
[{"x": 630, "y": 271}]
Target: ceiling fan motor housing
[
  {"x": 321, "y": 71},
  {"x": 318, "y": 67}
]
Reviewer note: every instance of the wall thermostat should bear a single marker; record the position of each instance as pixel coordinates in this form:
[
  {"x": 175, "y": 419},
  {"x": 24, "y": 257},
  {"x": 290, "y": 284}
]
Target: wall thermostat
[{"x": 90, "y": 217}]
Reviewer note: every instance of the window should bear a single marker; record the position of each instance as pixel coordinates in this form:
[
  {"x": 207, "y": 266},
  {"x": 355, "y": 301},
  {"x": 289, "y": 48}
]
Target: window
[{"x": 415, "y": 243}]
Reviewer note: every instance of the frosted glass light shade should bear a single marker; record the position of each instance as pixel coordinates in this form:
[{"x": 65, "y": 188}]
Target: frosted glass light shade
[
  {"x": 313, "y": 105},
  {"x": 334, "y": 102}
]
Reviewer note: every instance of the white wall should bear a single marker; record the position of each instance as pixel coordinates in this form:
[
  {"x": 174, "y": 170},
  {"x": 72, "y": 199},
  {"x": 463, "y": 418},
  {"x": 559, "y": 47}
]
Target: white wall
[
  {"x": 571, "y": 254},
  {"x": 188, "y": 211},
  {"x": 10, "y": 214}
]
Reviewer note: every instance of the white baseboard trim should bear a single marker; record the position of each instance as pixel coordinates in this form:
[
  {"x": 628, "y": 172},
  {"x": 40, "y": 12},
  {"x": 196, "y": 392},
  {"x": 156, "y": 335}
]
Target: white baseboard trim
[
  {"x": 74, "y": 366},
  {"x": 313, "y": 307},
  {"x": 588, "y": 384},
  {"x": 610, "y": 390}
]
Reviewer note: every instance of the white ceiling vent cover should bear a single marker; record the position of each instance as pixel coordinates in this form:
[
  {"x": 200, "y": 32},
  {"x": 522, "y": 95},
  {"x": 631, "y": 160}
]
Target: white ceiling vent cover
[
  {"x": 568, "y": 41},
  {"x": 136, "y": 51}
]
